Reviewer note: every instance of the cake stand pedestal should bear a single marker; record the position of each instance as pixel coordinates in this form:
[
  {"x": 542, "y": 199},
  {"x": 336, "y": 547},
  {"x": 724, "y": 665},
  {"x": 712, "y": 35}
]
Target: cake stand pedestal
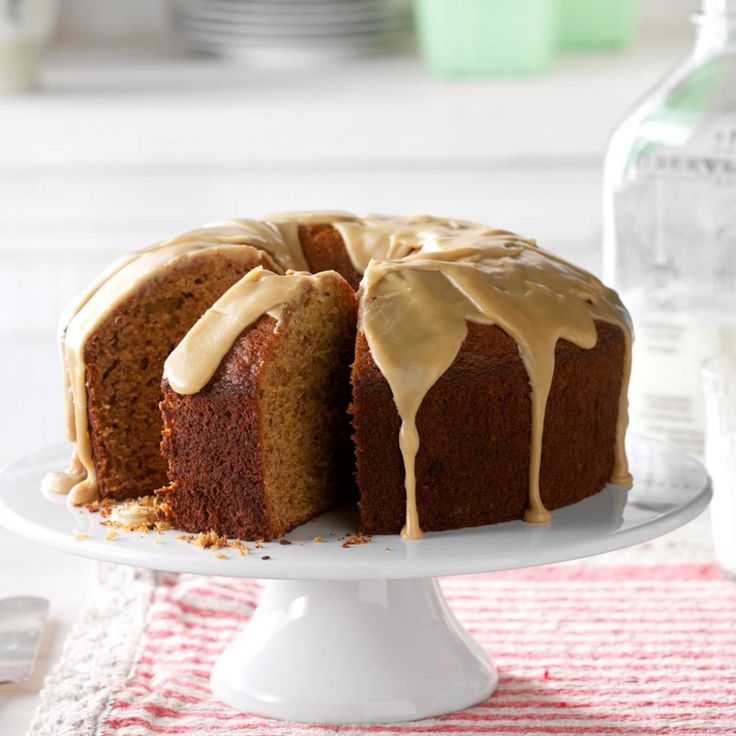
[
  {"x": 369, "y": 651},
  {"x": 362, "y": 634}
]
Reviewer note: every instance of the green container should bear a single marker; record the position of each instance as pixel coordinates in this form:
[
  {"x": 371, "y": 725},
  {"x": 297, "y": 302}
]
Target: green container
[
  {"x": 463, "y": 37},
  {"x": 591, "y": 24}
]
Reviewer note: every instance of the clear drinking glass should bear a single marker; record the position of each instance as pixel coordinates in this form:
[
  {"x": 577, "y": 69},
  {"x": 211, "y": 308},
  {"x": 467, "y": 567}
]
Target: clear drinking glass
[{"x": 719, "y": 385}]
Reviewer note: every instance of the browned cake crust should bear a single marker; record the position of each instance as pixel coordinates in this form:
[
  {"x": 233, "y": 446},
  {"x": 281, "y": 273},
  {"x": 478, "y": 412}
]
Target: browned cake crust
[
  {"x": 475, "y": 428},
  {"x": 324, "y": 251},
  {"x": 217, "y": 441},
  {"x": 124, "y": 360}
]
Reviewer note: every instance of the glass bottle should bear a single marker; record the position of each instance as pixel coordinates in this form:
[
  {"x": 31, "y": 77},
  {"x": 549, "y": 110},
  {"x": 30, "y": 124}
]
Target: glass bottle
[{"x": 670, "y": 229}]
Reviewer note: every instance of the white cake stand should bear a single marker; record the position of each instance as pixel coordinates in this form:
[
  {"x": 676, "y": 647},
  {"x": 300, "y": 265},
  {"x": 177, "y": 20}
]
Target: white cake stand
[{"x": 363, "y": 634}]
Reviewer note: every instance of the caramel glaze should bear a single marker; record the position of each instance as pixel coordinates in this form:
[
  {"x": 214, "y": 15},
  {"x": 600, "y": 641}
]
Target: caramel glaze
[
  {"x": 196, "y": 358},
  {"x": 424, "y": 279}
]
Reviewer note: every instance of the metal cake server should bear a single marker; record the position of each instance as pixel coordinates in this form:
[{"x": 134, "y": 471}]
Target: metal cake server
[{"x": 21, "y": 625}]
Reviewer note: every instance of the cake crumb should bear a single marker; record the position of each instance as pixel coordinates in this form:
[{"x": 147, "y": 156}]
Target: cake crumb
[
  {"x": 106, "y": 506},
  {"x": 112, "y": 534},
  {"x": 93, "y": 506},
  {"x": 259, "y": 544},
  {"x": 79, "y": 537},
  {"x": 357, "y": 539},
  {"x": 157, "y": 541},
  {"x": 318, "y": 540},
  {"x": 238, "y": 545},
  {"x": 266, "y": 557},
  {"x": 210, "y": 539},
  {"x": 221, "y": 556},
  {"x": 284, "y": 541},
  {"x": 389, "y": 549},
  {"x": 213, "y": 540}
]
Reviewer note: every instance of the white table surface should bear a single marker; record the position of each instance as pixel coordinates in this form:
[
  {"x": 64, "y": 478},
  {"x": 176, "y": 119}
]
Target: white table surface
[{"x": 126, "y": 146}]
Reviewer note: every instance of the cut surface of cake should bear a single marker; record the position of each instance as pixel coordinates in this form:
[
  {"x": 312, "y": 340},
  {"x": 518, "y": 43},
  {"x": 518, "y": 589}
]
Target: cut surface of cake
[
  {"x": 256, "y": 431},
  {"x": 487, "y": 381},
  {"x": 114, "y": 343}
]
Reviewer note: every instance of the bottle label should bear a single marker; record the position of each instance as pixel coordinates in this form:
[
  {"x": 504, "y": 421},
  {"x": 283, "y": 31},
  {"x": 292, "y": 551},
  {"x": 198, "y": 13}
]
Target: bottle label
[{"x": 666, "y": 389}]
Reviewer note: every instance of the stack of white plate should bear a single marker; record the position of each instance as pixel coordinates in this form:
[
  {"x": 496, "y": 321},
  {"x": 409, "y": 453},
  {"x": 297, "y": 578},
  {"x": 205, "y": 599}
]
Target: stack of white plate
[{"x": 292, "y": 30}]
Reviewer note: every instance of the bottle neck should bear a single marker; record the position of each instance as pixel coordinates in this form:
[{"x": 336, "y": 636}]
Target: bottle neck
[{"x": 715, "y": 28}]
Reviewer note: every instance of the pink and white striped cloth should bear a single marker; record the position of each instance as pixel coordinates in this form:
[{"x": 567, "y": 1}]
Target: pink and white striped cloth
[{"x": 581, "y": 649}]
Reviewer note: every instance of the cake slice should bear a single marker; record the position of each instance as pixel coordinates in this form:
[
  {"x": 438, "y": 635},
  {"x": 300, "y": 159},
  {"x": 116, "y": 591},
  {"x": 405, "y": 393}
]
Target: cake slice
[
  {"x": 256, "y": 431},
  {"x": 114, "y": 342}
]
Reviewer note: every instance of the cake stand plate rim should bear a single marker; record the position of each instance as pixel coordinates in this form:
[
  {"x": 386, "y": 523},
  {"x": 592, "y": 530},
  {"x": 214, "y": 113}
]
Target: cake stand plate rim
[{"x": 670, "y": 489}]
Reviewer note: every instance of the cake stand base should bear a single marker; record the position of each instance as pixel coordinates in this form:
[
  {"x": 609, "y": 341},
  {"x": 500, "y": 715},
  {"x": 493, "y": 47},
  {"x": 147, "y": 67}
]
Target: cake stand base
[{"x": 361, "y": 651}]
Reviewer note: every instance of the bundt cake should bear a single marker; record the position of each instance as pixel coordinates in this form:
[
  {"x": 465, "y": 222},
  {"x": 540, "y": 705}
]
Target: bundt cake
[{"x": 488, "y": 380}]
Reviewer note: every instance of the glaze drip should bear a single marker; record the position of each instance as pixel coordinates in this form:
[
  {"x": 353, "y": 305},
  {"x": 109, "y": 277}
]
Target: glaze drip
[
  {"x": 279, "y": 238},
  {"x": 194, "y": 361},
  {"x": 384, "y": 237},
  {"x": 381, "y": 237},
  {"x": 415, "y": 313}
]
